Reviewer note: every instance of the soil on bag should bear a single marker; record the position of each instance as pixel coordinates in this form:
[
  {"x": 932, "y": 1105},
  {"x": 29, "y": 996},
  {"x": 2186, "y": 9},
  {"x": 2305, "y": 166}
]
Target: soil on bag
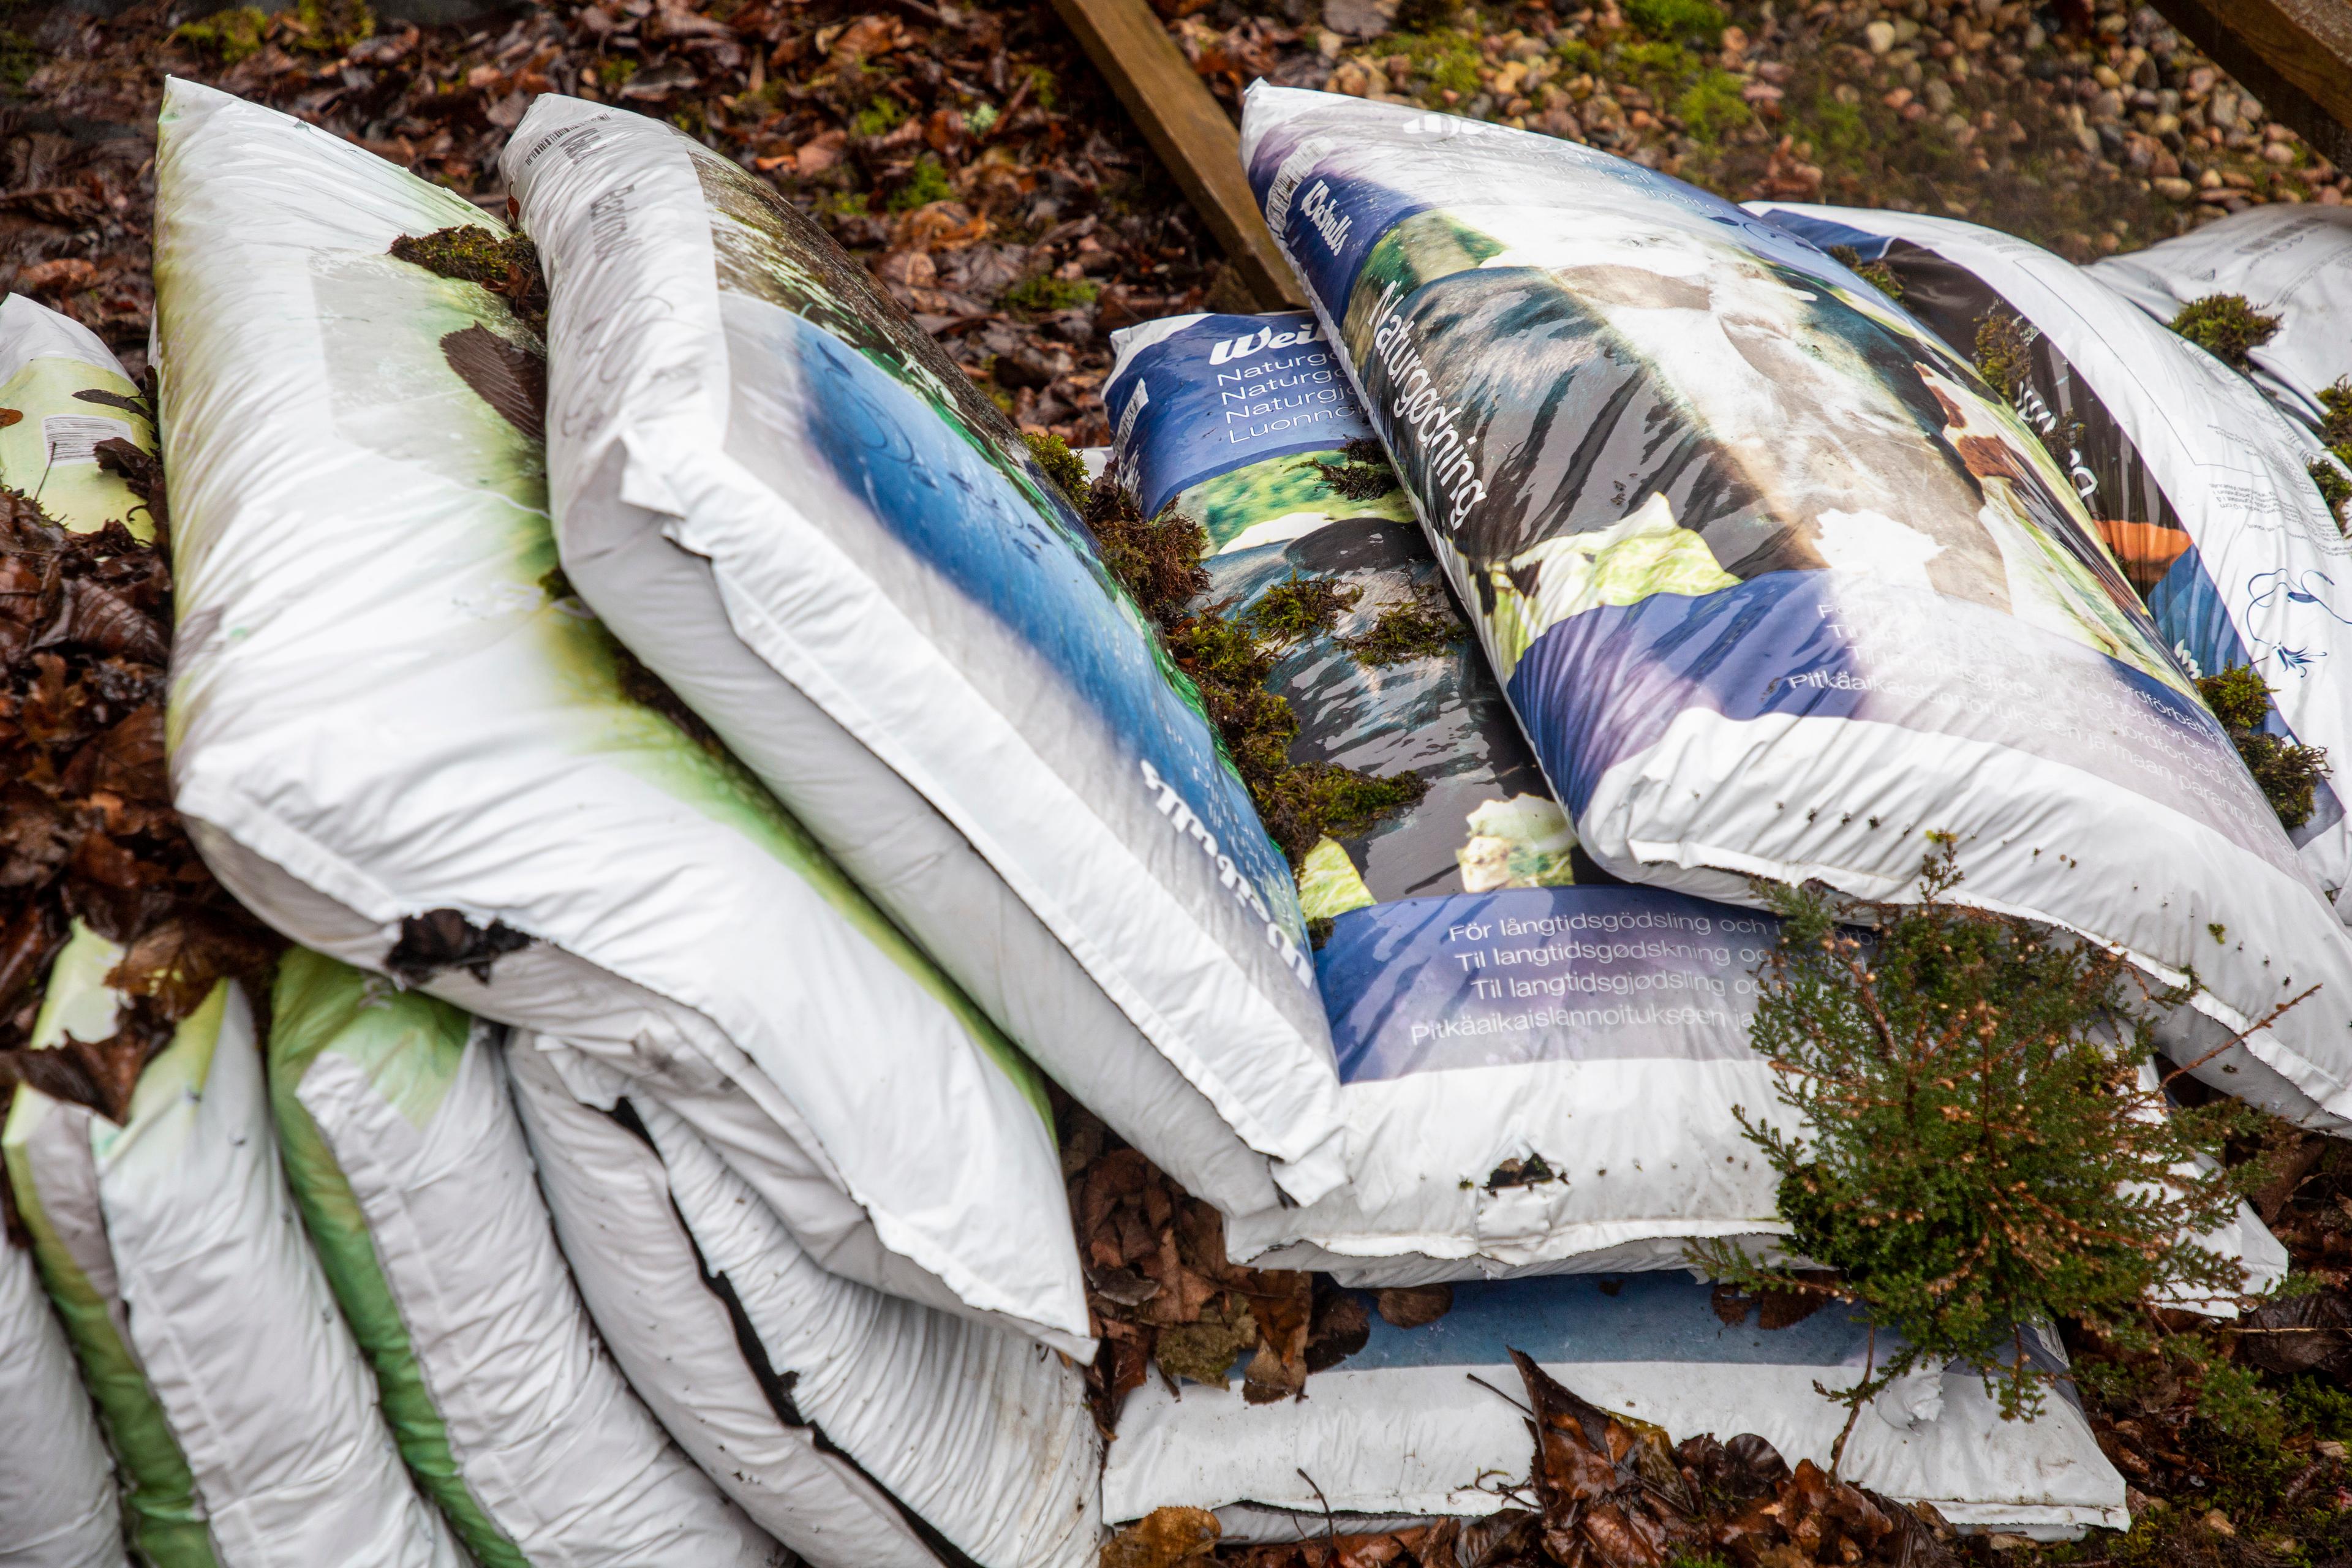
[{"x": 971, "y": 157}]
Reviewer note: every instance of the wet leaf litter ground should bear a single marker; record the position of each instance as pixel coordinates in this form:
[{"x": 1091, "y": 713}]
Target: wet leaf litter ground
[{"x": 975, "y": 162}]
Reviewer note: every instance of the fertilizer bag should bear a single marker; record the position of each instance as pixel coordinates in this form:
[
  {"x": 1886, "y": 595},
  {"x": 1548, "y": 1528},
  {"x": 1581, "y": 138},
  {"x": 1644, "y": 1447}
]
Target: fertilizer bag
[
  {"x": 1412, "y": 1426},
  {"x": 1537, "y": 1075},
  {"x": 397, "y": 736},
  {"x": 61, "y": 1509},
  {"x": 1775, "y": 584},
  {"x": 862, "y": 1431},
  {"x": 2291, "y": 260},
  {"x": 239, "y": 1410},
  {"x": 69, "y": 395},
  {"x": 786, "y": 501},
  {"x": 2200, "y": 488},
  {"x": 409, "y": 1167}
]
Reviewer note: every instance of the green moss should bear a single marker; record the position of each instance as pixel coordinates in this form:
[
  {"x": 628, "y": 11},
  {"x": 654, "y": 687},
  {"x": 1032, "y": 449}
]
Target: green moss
[
  {"x": 1712, "y": 106},
  {"x": 1043, "y": 294},
  {"x": 2334, "y": 488},
  {"x": 1158, "y": 560},
  {"x": 1044, "y": 89},
  {"x": 2004, "y": 353},
  {"x": 879, "y": 117},
  {"x": 1576, "y": 56},
  {"x": 1655, "y": 60},
  {"x": 329, "y": 27},
  {"x": 2335, "y": 416},
  {"x": 1837, "y": 128},
  {"x": 1362, "y": 474},
  {"x": 926, "y": 183},
  {"x": 981, "y": 119},
  {"x": 2225, "y": 326},
  {"x": 1061, "y": 466},
  {"x": 2287, "y": 774},
  {"x": 1228, "y": 662},
  {"x": 2239, "y": 697},
  {"x": 230, "y": 36},
  {"x": 19, "y": 58},
  {"x": 1446, "y": 58},
  {"x": 465, "y": 253},
  {"x": 1422, "y": 628},
  {"x": 2336, "y": 429},
  {"x": 508, "y": 267},
  {"x": 1694, "y": 21},
  {"x": 613, "y": 74},
  {"x": 1877, "y": 274},
  {"x": 842, "y": 203},
  {"x": 1302, "y": 804},
  {"x": 1300, "y": 607}
]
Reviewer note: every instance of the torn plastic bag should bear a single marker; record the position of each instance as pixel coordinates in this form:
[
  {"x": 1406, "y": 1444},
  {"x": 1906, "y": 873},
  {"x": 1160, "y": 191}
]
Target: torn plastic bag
[
  {"x": 67, "y": 393},
  {"x": 2200, "y": 488},
  {"x": 1414, "y": 1426},
  {"x": 62, "y": 1510},
  {"x": 1537, "y": 1076},
  {"x": 786, "y": 501},
  {"x": 861, "y": 1430},
  {"x": 397, "y": 736},
  {"x": 241, "y": 1415},
  {"x": 1776, "y": 585},
  {"x": 406, "y": 1161},
  {"x": 2291, "y": 260}
]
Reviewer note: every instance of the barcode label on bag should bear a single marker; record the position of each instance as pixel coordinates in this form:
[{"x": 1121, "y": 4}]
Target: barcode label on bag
[{"x": 74, "y": 438}]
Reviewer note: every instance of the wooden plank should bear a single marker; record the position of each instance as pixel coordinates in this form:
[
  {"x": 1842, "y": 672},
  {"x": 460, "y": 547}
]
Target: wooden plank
[
  {"x": 2294, "y": 55},
  {"x": 1188, "y": 129}
]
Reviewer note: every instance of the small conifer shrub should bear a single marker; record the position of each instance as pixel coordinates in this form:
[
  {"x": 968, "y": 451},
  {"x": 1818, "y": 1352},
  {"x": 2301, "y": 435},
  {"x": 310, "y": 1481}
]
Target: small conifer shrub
[
  {"x": 2226, "y": 327},
  {"x": 1965, "y": 1139}
]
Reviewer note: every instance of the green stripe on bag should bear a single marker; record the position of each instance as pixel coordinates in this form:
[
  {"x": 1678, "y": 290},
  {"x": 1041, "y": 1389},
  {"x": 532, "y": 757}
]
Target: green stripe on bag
[
  {"x": 409, "y": 1046},
  {"x": 164, "y": 1523}
]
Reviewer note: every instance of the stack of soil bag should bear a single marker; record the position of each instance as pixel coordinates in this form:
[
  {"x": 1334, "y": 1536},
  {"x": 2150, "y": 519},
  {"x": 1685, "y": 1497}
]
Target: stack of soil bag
[{"x": 752, "y": 831}]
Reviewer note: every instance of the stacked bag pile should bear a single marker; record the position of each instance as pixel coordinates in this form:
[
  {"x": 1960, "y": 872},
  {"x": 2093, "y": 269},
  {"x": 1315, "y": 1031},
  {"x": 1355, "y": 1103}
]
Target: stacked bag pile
[{"x": 722, "y": 803}]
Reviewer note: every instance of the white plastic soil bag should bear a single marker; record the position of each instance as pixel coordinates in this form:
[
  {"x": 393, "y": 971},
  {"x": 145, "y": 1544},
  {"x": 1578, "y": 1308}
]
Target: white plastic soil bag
[
  {"x": 240, "y": 1413},
  {"x": 788, "y": 503},
  {"x": 2200, "y": 488},
  {"x": 1777, "y": 586},
  {"x": 1537, "y": 1076},
  {"x": 406, "y": 1161},
  {"x": 68, "y": 394},
  {"x": 61, "y": 1511},
  {"x": 862, "y": 1431},
  {"x": 398, "y": 737},
  {"x": 1412, "y": 1424},
  {"x": 2291, "y": 260}
]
